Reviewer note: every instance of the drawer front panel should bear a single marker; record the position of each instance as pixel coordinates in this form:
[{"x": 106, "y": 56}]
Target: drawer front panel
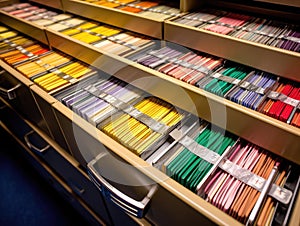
[
  {"x": 82, "y": 146},
  {"x": 13, "y": 122},
  {"x": 51, "y": 121},
  {"x": 23, "y": 100},
  {"x": 80, "y": 184}
]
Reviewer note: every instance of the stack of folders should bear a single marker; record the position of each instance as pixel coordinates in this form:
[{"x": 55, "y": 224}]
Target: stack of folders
[
  {"x": 43, "y": 63},
  {"x": 143, "y": 128},
  {"x": 202, "y": 70},
  {"x": 224, "y": 79},
  {"x": 90, "y": 32},
  {"x": 178, "y": 62},
  {"x": 258, "y": 30},
  {"x": 107, "y": 38},
  {"x": 98, "y": 97},
  {"x": 62, "y": 76},
  {"x": 154, "y": 9},
  {"x": 20, "y": 54},
  {"x": 253, "y": 186},
  {"x": 130, "y": 116},
  {"x": 252, "y": 91},
  {"x": 190, "y": 154},
  {"x": 66, "y": 23},
  {"x": 283, "y": 102},
  {"x": 52, "y": 70},
  {"x": 8, "y": 36}
]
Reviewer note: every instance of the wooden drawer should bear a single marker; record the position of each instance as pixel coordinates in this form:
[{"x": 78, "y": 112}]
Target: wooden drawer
[
  {"x": 169, "y": 200},
  {"x": 170, "y": 204},
  {"x": 85, "y": 147}
]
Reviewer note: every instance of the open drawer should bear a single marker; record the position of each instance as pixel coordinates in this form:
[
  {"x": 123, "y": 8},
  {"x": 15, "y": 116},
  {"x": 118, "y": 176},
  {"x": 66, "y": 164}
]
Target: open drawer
[
  {"x": 153, "y": 196},
  {"x": 171, "y": 203}
]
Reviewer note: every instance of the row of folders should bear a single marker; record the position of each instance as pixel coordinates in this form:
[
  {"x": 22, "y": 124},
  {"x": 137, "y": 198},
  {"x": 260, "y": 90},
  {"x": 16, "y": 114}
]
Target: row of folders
[
  {"x": 264, "y": 92},
  {"x": 202, "y": 157}
]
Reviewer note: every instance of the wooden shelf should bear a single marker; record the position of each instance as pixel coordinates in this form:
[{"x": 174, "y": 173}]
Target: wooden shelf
[
  {"x": 26, "y": 27},
  {"x": 270, "y": 59},
  {"x": 131, "y": 21}
]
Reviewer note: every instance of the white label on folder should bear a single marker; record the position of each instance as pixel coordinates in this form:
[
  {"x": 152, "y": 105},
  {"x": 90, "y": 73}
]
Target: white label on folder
[{"x": 199, "y": 150}]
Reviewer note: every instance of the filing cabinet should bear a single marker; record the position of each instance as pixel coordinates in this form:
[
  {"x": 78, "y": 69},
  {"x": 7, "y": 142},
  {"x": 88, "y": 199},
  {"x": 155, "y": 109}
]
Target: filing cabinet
[{"x": 171, "y": 203}]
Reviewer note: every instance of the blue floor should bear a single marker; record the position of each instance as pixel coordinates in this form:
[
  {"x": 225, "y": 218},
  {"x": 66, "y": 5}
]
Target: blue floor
[{"x": 26, "y": 198}]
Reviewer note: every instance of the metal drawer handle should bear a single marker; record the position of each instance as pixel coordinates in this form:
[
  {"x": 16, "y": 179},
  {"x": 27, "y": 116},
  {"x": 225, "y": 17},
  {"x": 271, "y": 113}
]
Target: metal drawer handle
[
  {"x": 30, "y": 145},
  {"x": 130, "y": 205},
  {"x": 11, "y": 94}
]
